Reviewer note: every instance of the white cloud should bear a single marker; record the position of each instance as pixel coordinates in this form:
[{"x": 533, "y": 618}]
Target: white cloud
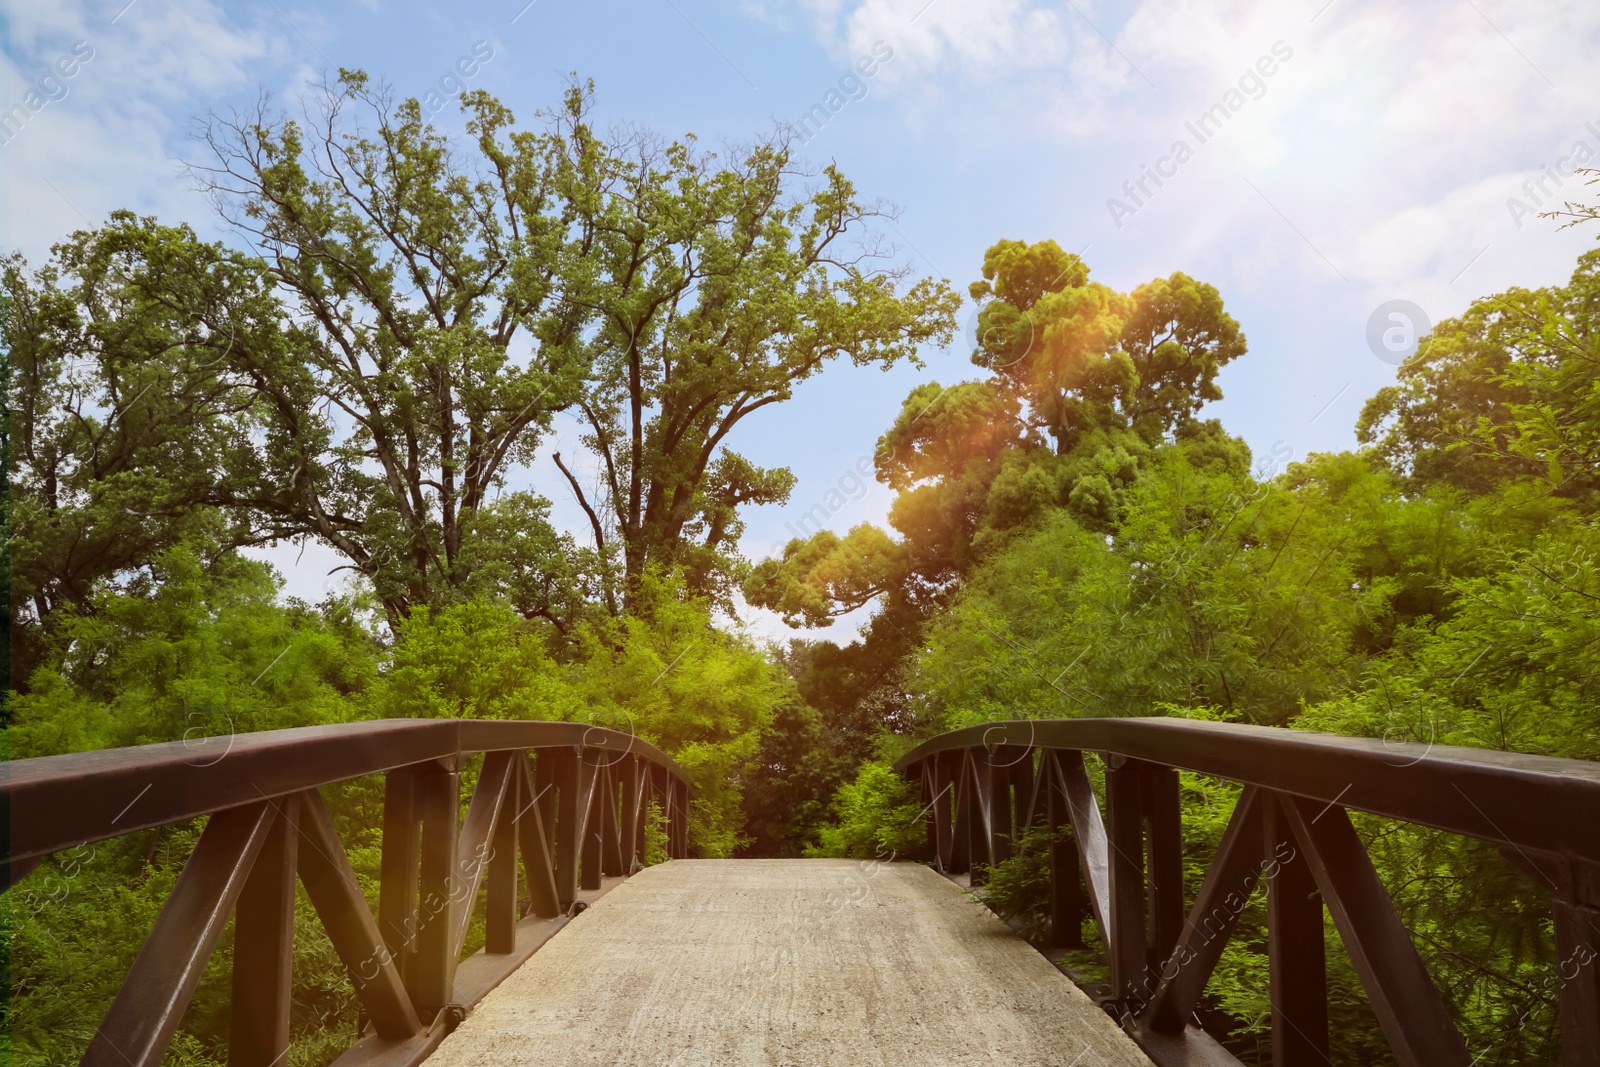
[
  {"x": 980, "y": 39},
  {"x": 956, "y": 59},
  {"x": 1385, "y": 139},
  {"x": 1391, "y": 141},
  {"x": 114, "y": 139}
]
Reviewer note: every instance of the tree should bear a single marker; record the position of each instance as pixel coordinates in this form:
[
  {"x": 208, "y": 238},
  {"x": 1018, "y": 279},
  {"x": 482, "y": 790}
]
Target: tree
[
  {"x": 1558, "y": 370},
  {"x": 816, "y": 742},
  {"x": 1508, "y": 392},
  {"x": 716, "y": 289},
  {"x": 1084, "y": 358},
  {"x": 125, "y": 415},
  {"x": 1576, "y": 213},
  {"x": 1084, "y": 383},
  {"x": 445, "y": 310},
  {"x": 378, "y": 374},
  {"x": 428, "y": 339}
]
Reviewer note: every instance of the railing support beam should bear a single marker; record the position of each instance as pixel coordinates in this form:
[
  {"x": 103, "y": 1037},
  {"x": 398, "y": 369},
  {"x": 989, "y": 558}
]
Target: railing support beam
[
  {"x": 438, "y": 803},
  {"x": 399, "y": 867},
  {"x": 1296, "y": 956},
  {"x": 263, "y": 948},
  {"x": 559, "y": 768},
  {"x": 1089, "y": 833},
  {"x": 1228, "y": 884},
  {"x": 1164, "y": 813},
  {"x": 1404, "y": 998},
  {"x": 534, "y": 821},
  {"x": 500, "y": 933},
  {"x": 331, "y": 884},
  {"x": 159, "y": 986},
  {"x": 1066, "y": 886},
  {"x": 1577, "y": 930},
  {"x": 591, "y": 796},
  {"x": 1125, "y": 836}
]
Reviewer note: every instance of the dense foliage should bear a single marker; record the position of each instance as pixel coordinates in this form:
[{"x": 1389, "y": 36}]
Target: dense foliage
[
  {"x": 1069, "y": 536},
  {"x": 201, "y": 646},
  {"x": 1439, "y": 586},
  {"x": 376, "y": 373}
]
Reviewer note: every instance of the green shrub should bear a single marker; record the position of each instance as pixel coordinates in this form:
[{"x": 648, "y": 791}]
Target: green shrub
[{"x": 877, "y": 815}]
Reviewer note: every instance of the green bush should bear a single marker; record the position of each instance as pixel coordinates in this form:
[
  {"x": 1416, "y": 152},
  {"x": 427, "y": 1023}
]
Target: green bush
[{"x": 877, "y": 815}]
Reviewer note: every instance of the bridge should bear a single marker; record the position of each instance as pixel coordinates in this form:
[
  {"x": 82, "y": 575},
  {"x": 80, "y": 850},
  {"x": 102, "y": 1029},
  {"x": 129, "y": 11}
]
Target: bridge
[{"x": 589, "y": 956}]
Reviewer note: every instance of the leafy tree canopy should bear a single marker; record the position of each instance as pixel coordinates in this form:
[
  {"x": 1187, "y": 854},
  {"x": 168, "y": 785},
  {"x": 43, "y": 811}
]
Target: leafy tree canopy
[
  {"x": 1084, "y": 383},
  {"x": 380, "y": 369}
]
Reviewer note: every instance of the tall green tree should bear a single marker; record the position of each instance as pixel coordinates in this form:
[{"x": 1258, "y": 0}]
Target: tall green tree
[
  {"x": 445, "y": 307},
  {"x": 126, "y": 415},
  {"x": 1506, "y": 392},
  {"x": 1084, "y": 383},
  {"x": 1084, "y": 358},
  {"x": 426, "y": 339},
  {"x": 717, "y": 286},
  {"x": 378, "y": 373}
]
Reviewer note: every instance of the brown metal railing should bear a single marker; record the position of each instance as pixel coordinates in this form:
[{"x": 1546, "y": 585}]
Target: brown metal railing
[
  {"x": 985, "y": 785},
  {"x": 575, "y": 815}
]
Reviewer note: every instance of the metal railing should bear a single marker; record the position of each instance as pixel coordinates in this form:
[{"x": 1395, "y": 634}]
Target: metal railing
[
  {"x": 575, "y": 815},
  {"x": 986, "y": 785}
]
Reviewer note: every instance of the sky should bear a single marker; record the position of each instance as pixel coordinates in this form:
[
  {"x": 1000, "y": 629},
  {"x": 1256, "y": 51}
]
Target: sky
[{"x": 1317, "y": 161}]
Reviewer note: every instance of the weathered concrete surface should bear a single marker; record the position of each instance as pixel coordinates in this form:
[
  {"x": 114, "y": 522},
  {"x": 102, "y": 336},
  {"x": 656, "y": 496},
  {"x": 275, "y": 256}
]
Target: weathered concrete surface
[{"x": 787, "y": 963}]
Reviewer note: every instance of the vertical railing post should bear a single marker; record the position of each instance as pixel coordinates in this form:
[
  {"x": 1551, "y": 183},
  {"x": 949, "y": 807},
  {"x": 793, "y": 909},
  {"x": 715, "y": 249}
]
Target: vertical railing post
[
  {"x": 591, "y": 796},
  {"x": 500, "y": 935},
  {"x": 961, "y": 829},
  {"x": 1296, "y": 963},
  {"x": 1164, "y": 811},
  {"x": 943, "y": 814},
  {"x": 680, "y": 819},
  {"x": 1125, "y": 836},
  {"x": 1030, "y": 801},
  {"x": 632, "y": 855},
  {"x": 638, "y": 799},
  {"x": 558, "y": 767},
  {"x": 1577, "y": 928},
  {"x": 263, "y": 948},
  {"x": 1003, "y": 813},
  {"x": 1066, "y": 887},
  {"x": 980, "y": 825},
  {"x": 398, "y": 868},
  {"x": 438, "y": 800},
  {"x": 669, "y": 811},
  {"x": 655, "y": 793},
  {"x": 544, "y": 790},
  {"x": 612, "y": 862}
]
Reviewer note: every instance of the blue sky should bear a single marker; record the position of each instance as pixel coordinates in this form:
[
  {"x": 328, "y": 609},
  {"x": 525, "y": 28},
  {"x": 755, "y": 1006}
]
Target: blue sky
[{"x": 1359, "y": 151}]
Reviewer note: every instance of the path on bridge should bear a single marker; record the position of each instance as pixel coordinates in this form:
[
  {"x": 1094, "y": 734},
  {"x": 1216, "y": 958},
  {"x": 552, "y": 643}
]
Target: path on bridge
[{"x": 787, "y": 963}]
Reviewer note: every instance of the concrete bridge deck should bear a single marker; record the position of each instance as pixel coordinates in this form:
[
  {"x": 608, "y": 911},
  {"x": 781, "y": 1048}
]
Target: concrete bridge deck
[{"x": 787, "y": 963}]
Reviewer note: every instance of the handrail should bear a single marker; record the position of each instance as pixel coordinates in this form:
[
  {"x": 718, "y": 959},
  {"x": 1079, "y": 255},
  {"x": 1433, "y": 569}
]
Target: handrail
[
  {"x": 572, "y": 818},
  {"x": 59, "y": 802},
  {"x": 985, "y": 785},
  {"x": 1551, "y": 805}
]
